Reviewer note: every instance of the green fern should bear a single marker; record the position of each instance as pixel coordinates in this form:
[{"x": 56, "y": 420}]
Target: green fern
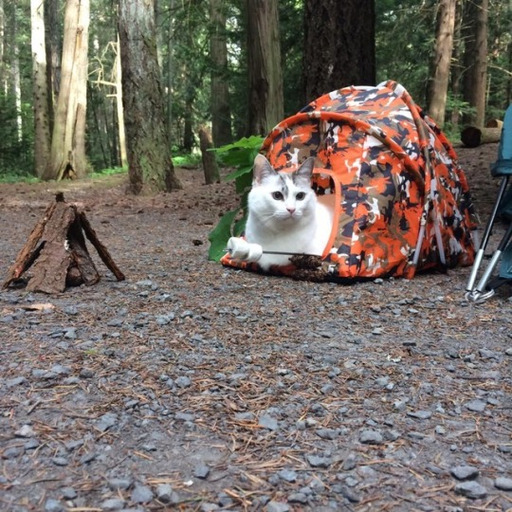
[{"x": 240, "y": 155}]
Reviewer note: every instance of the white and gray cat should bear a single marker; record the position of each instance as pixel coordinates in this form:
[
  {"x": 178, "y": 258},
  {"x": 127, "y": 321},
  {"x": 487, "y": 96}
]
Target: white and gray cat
[{"x": 285, "y": 216}]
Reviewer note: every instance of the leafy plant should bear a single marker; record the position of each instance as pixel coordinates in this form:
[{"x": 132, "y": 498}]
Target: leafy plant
[{"x": 240, "y": 155}]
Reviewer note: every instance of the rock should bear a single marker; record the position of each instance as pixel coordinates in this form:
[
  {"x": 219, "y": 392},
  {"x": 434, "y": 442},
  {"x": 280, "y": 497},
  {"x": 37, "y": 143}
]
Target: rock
[
  {"x": 60, "y": 461},
  {"x": 106, "y": 421},
  {"x": 503, "y": 483},
  {"x": 369, "y": 436},
  {"x": 471, "y": 489},
  {"x": 268, "y": 422},
  {"x": 164, "y": 493},
  {"x": 12, "y": 452},
  {"x": 113, "y": 504},
  {"x": 465, "y": 472},
  {"x": 17, "y": 381},
  {"x": 298, "y": 497},
  {"x": 327, "y": 433},
  {"x": 420, "y": 415},
  {"x": 183, "y": 382},
  {"x": 141, "y": 494},
  {"x": 202, "y": 471},
  {"x": 476, "y": 405},
  {"x": 25, "y": 431},
  {"x": 316, "y": 461},
  {"x": 52, "y": 505},
  {"x": 120, "y": 484},
  {"x": 277, "y": 506},
  {"x": 68, "y": 493},
  {"x": 288, "y": 475}
]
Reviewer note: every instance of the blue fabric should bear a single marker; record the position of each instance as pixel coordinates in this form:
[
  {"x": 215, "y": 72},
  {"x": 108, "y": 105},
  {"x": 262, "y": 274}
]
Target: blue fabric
[{"x": 503, "y": 166}]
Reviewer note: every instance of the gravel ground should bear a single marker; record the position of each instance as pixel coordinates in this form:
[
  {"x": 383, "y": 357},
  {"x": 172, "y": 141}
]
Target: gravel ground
[{"x": 194, "y": 387}]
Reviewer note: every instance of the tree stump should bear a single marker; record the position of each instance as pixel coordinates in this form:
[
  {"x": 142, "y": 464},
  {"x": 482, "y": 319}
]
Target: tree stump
[{"x": 57, "y": 252}]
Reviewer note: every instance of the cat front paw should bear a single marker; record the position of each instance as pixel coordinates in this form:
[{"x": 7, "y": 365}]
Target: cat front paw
[{"x": 241, "y": 250}]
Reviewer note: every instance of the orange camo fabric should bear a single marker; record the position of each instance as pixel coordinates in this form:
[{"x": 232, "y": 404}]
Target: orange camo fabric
[{"x": 404, "y": 202}]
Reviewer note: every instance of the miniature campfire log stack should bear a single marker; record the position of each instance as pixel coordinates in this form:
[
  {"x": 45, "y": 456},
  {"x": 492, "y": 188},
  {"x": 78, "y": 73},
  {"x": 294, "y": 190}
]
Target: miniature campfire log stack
[{"x": 57, "y": 251}]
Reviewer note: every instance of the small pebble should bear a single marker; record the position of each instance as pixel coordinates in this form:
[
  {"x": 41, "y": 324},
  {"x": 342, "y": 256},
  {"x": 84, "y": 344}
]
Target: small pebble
[
  {"x": 141, "y": 494},
  {"x": 476, "y": 405},
  {"x": 471, "y": 489},
  {"x": 202, "y": 471},
  {"x": 113, "y": 504},
  {"x": 420, "y": 415},
  {"x": 287, "y": 475},
  {"x": 318, "y": 462},
  {"x": 52, "y": 505},
  {"x": 370, "y": 436},
  {"x": 502, "y": 483},
  {"x": 464, "y": 472},
  {"x": 164, "y": 493},
  {"x": 277, "y": 506}
]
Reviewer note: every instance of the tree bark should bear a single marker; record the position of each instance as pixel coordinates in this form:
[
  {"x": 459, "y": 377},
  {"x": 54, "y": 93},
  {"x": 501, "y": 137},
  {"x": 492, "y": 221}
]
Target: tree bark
[
  {"x": 210, "y": 167},
  {"x": 219, "y": 99},
  {"x": 148, "y": 145},
  {"x": 339, "y": 45},
  {"x": 2, "y": 45},
  {"x": 456, "y": 68},
  {"x": 266, "y": 103},
  {"x": 67, "y": 158},
  {"x": 53, "y": 42},
  {"x": 440, "y": 74},
  {"x": 42, "y": 141},
  {"x": 475, "y": 59},
  {"x": 119, "y": 106}
]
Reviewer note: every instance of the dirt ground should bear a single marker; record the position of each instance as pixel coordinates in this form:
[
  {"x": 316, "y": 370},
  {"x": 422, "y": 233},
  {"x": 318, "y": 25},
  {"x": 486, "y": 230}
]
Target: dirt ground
[{"x": 190, "y": 386}]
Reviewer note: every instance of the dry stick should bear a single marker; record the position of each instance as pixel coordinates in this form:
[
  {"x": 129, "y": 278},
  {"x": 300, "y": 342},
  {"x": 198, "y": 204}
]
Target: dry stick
[
  {"x": 102, "y": 250},
  {"x": 30, "y": 250}
]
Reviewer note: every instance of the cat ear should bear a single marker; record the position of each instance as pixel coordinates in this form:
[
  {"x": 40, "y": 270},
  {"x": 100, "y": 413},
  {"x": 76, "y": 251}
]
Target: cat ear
[
  {"x": 262, "y": 170},
  {"x": 305, "y": 171}
]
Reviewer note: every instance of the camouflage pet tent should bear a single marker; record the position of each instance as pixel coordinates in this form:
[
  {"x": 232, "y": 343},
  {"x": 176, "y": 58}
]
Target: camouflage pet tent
[{"x": 402, "y": 202}]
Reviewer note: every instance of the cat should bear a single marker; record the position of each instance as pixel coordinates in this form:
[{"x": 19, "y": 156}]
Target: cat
[{"x": 285, "y": 214}]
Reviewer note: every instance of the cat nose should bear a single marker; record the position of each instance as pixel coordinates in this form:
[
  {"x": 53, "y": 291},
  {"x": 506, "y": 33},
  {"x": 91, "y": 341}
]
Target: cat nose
[{"x": 290, "y": 209}]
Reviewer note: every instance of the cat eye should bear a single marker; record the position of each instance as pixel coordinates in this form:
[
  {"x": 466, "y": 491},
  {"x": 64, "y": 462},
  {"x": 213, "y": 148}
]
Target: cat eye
[
  {"x": 300, "y": 196},
  {"x": 278, "y": 196}
]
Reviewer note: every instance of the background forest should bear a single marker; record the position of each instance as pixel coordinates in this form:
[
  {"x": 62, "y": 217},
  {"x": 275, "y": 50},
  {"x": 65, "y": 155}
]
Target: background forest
[{"x": 208, "y": 69}]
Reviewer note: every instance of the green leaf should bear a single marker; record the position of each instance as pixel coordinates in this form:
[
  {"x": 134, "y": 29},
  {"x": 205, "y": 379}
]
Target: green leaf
[
  {"x": 253, "y": 141},
  {"x": 220, "y": 235},
  {"x": 246, "y": 169}
]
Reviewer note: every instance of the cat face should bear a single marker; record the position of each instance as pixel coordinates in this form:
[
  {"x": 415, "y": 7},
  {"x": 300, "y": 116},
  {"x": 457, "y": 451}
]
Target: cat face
[{"x": 278, "y": 197}]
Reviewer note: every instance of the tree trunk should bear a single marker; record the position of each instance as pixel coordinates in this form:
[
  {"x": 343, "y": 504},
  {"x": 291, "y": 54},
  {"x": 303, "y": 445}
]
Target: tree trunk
[
  {"x": 170, "y": 67},
  {"x": 67, "y": 159},
  {"x": 53, "y": 42},
  {"x": 148, "y": 145},
  {"x": 456, "y": 68},
  {"x": 440, "y": 74},
  {"x": 339, "y": 39},
  {"x": 475, "y": 59},
  {"x": 14, "y": 65},
  {"x": 210, "y": 167},
  {"x": 220, "y": 108},
  {"x": 2, "y": 44},
  {"x": 266, "y": 103},
  {"x": 42, "y": 140},
  {"x": 119, "y": 106}
]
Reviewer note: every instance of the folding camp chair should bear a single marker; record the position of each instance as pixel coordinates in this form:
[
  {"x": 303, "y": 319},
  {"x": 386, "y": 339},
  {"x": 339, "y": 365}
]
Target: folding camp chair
[{"x": 486, "y": 286}]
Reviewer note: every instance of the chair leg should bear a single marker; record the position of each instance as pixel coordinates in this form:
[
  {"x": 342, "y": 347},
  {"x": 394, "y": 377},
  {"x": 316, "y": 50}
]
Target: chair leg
[{"x": 487, "y": 234}]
